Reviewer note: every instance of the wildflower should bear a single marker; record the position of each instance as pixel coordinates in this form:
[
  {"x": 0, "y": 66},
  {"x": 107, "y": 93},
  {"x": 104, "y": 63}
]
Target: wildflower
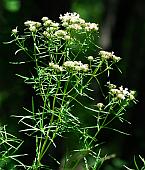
[
  {"x": 120, "y": 96},
  {"x": 55, "y": 66},
  {"x": 32, "y": 25},
  {"x": 132, "y": 95},
  {"x": 111, "y": 86},
  {"x": 29, "y": 23},
  {"x": 60, "y": 33},
  {"x": 91, "y": 26},
  {"x": 14, "y": 31},
  {"x": 75, "y": 26},
  {"x": 47, "y": 23},
  {"x": 124, "y": 91},
  {"x": 46, "y": 34},
  {"x": 69, "y": 17},
  {"x": 109, "y": 55},
  {"x": 76, "y": 65},
  {"x": 115, "y": 58},
  {"x": 77, "y": 68},
  {"x": 51, "y": 64},
  {"x": 32, "y": 29},
  {"x": 105, "y": 54},
  {"x": 90, "y": 58},
  {"x": 55, "y": 25},
  {"x": 37, "y": 24},
  {"x": 100, "y": 106},
  {"x": 84, "y": 67},
  {"x": 67, "y": 37},
  {"x": 114, "y": 91},
  {"x": 44, "y": 19},
  {"x": 121, "y": 93}
]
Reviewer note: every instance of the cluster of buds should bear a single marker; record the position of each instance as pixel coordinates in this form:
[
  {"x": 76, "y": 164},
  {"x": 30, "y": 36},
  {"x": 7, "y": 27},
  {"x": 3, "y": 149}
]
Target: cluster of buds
[
  {"x": 109, "y": 55},
  {"x": 73, "y": 21},
  {"x": 121, "y": 93},
  {"x": 32, "y": 25},
  {"x": 76, "y": 65}
]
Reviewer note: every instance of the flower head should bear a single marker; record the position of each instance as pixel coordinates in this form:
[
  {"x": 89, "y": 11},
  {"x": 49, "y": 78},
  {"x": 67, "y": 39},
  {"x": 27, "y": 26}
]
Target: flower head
[
  {"x": 14, "y": 31},
  {"x": 121, "y": 93},
  {"x": 105, "y": 55},
  {"x": 100, "y": 106},
  {"x": 90, "y": 58}
]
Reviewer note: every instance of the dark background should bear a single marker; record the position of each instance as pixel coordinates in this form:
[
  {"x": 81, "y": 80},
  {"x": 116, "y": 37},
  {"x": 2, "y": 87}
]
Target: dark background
[{"x": 122, "y": 30}]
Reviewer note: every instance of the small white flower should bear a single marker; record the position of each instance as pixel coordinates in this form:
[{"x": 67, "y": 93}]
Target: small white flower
[
  {"x": 55, "y": 66},
  {"x": 114, "y": 91},
  {"x": 14, "y": 31},
  {"x": 84, "y": 67},
  {"x": 105, "y": 54},
  {"x": 77, "y": 63},
  {"x": 67, "y": 37},
  {"x": 60, "y": 68},
  {"x": 69, "y": 17},
  {"x": 77, "y": 68},
  {"x": 109, "y": 55},
  {"x": 132, "y": 92},
  {"x": 75, "y": 26},
  {"x": 46, "y": 34},
  {"x": 53, "y": 24},
  {"x": 44, "y": 19},
  {"x": 100, "y": 105},
  {"x": 37, "y": 24},
  {"x": 51, "y": 64},
  {"x": 47, "y": 23},
  {"x": 90, "y": 58},
  {"x": 91, "y": 26},
  {"x": 29, "y": 23},
  {"x": 120, "y": 96},
  {"x": 69, "y": 64},
  {"x": 115, "y": 58},
  {"x": 111, "y": 86},
  {"x": 60, "y": 33},
  {"x": 32, "y": 29},
  {"x": 131, "y": 97}
]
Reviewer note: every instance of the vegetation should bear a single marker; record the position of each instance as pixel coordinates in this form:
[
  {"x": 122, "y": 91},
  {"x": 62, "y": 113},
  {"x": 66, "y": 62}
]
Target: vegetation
[{"x": 61, "y": 83}]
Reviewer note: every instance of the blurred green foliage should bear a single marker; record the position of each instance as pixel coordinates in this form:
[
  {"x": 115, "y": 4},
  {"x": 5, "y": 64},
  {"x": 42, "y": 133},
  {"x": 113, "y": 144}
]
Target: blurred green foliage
[
  {"x": 91, "y": 10},
  {"x": 12, "y": 5}
]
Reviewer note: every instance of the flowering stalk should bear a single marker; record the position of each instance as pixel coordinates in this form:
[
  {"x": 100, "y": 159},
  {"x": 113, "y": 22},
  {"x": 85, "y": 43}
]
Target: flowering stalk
[{"x": 62, "y": 80}]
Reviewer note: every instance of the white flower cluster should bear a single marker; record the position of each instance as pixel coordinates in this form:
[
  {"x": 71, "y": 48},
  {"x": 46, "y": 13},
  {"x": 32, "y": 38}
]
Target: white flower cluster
[
  {"x": 109, "y": 55},
  {"x": 62, "y": 34},
  {"x": 73, "y": 21},
  {"x": 50, "y": 24},
  {"x": 76, "y": 65},
  {"x": 70, "y": 65},
  {"x": 55, "y": 66},
  {"x": 121, "y": 93},
  {"x": 32, "y": 25},
  {"x": 52, "y": 29}
]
